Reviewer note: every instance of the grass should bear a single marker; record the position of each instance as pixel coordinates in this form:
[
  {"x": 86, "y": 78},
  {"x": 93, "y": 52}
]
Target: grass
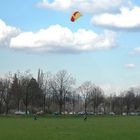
[{"x": 70, "y": 128}]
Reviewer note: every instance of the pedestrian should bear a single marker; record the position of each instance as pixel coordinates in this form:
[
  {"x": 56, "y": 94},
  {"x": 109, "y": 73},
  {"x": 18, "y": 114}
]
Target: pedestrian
[
  {"x": 85, "y": 118},
  {"x": 35, "y": 117}
]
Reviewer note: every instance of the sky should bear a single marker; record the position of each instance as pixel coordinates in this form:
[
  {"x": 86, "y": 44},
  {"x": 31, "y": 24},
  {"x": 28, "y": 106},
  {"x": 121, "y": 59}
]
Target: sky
[{"x": 103, "y": 45}]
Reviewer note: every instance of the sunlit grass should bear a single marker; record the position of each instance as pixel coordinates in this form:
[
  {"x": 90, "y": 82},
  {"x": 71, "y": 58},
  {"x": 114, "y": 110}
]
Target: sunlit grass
[{"x": 70, "y": 128}]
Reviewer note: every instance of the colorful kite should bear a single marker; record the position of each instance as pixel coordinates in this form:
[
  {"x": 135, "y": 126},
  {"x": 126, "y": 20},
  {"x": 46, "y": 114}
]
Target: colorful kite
[{"x": 75, "y": 16}]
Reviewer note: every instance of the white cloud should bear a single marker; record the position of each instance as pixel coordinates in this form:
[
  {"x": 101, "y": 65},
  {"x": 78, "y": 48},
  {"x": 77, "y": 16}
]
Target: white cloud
[
  {"x": 137, "y": 50},
  {"x": 61, "y": 39},
  {"x": 114, "y": 14},
  {"x": 88, "y": 6},
  {"x": 129, "y": 66},
  {"x": 55, "y": 39},
  {"x": 6, "y": 32},
  {"x": 128, "y": 19}
]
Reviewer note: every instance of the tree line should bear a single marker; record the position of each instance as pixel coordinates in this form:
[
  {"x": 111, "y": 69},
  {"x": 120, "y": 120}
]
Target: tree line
[{"x": 51, "y": 93}]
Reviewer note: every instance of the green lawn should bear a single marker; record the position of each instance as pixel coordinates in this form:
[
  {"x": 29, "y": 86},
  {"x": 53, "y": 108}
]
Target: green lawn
[{"x": 70, "y": 128}]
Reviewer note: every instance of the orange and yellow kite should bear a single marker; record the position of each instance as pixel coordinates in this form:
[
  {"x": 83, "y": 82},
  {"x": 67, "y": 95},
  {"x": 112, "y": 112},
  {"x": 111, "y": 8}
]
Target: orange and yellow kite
[{"x": 75, "y": 16}]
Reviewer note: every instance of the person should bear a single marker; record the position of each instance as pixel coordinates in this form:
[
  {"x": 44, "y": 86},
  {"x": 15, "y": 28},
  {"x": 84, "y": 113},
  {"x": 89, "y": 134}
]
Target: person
[
  {"x": 85, "y": 118},
  {"x": 35, "y": 117}
]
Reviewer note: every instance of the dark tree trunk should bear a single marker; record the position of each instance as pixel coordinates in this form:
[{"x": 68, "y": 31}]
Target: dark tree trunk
[
  {"x": 85, "y": 107},
  {"x": 18, "y": 104},
  {"x": 26, "y": 104},
  {"x": 60, "y": 108},
  {"x": 94, "y": 108},
  {"x": 7, "y": 108},
  {"x": 0, "y": 108},
  {"x": 44, "y": 103},
  {"x": 128, "y": 108},
  {"x": 73, "y": 106}
]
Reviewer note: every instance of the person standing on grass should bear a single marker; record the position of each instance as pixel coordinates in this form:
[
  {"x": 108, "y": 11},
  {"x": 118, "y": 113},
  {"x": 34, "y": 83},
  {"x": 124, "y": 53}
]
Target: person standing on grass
[
  {"x": 35, "y": 117},
  {"x": 85, "y": 118}
]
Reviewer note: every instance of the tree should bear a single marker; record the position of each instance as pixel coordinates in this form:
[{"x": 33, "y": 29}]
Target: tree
[
  {"x": 1, "y": 95},
  {"x": 137, "y": 98},
  {"x": 121, "y": 102},
  {"x": 16, "y": 91},
  {"x": 24, "y": 82},
  {"x": 7, "y": 94},
  {"x": 34, "y": 94},
  {"x": 74, "y": 101},
  {"x": 44, "y": 84},
  {"x": 137, "y": 102},
  {"x": 129, "y": 100},
  {"x": 96, "y": 97},
  {"x": 61, "y": 85},
  {"x": 86, "y": 89}
]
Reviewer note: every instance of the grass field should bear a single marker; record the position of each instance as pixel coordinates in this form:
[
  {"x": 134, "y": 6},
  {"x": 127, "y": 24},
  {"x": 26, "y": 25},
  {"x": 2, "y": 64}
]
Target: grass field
[{"x": 70, "y": 128}]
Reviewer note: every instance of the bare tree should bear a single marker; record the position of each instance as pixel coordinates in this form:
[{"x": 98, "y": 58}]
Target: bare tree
[
  {"x": 74, "y": 100},
  {"x": 129, "y": 100},
  {"x": 121, "y": 102},
  {"x": 1, "y": 94},
  {"x": 7, "y": 95},
  {"x": 86, "y": 90},
  {"x": 44, "y": 80},
  {"x": 61, "y": 85},
  {"x": 24, "y": 82},
  {"x": 96, "y": 97},
  {"x": 137, "y": 98}
]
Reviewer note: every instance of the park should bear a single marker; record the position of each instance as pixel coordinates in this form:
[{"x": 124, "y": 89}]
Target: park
[{"x": 70, "y": 70}]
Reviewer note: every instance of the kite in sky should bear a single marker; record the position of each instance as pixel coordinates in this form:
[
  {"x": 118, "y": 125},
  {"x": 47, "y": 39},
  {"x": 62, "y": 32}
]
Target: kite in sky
[{"x": 75, "y": 16}]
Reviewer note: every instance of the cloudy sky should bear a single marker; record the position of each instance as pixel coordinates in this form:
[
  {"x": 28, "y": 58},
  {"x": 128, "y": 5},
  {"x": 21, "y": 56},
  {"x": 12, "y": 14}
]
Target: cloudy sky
[{"x": 102, "y": 46}]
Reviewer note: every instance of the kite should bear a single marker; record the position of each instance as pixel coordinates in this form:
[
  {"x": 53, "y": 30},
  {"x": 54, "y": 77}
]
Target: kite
[{"x": 75, "y": 16}]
